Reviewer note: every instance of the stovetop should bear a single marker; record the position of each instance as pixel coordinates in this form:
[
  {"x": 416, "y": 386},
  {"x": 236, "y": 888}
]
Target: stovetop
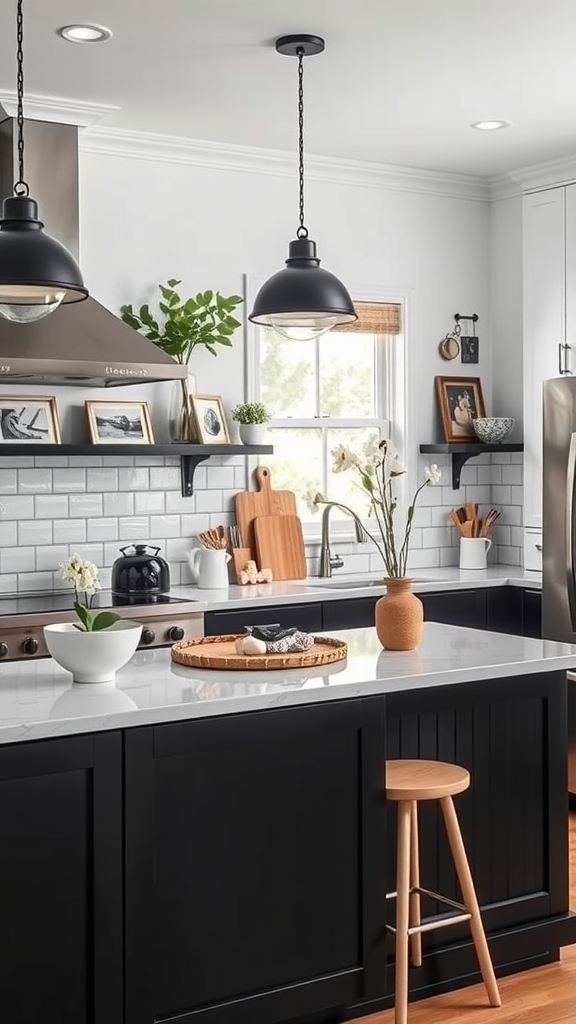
[{"x": 38, "y": 604}]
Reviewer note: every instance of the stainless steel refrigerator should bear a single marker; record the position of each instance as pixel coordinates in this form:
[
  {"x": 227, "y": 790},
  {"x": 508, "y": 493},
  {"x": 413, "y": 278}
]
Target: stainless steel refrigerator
[{"x": 559, "y": 532}]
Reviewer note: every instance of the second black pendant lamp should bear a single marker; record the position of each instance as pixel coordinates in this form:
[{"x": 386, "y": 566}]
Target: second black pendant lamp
[
  {"x": 302, "y": 301},
  {"x": 37, "y": 273}
]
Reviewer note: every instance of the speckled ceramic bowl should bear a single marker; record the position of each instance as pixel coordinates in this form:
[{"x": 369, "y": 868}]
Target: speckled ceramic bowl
[{"x": 493, "y": 429}]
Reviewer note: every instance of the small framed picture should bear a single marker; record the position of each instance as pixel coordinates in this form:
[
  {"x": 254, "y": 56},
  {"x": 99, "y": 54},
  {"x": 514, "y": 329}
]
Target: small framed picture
[
  {"x": 119, "y": 423},
  {"x": 29, "y": 419},
  {"x": 470, "y": 348},
  {"x": 209, "y": 419},
  {"x": 460, "y": 402}
]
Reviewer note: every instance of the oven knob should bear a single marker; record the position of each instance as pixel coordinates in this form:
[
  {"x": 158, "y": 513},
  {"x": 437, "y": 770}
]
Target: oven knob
[
  {"x": 30, "y": 645},
  {"x": 148, "y": 637},
  {"x": 3, "y": 650},
  {"x": 175, "y": 633}
]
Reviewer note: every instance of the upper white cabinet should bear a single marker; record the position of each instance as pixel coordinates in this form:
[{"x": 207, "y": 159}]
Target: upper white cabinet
[{"x": 549, "y": 260}]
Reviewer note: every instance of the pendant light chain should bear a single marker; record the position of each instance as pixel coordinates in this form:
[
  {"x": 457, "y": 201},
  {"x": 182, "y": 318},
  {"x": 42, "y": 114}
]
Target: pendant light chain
[
  {"x": 302, "y": 230},
  {"x": 20, "y": 187}
]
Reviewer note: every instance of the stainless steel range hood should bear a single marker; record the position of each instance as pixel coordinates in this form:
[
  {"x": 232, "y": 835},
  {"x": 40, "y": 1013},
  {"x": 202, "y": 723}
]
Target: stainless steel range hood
[{"x": 82, "y": 344}]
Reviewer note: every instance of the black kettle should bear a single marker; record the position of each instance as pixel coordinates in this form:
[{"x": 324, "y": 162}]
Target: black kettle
[{"x": 141, "y": 573}]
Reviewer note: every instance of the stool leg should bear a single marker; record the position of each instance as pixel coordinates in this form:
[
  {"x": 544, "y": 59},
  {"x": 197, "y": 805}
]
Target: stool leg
[
  {"x": 415, "y": 915},
  {"x": 402, "y": 910},
  {"x": 470, "y": 900}
]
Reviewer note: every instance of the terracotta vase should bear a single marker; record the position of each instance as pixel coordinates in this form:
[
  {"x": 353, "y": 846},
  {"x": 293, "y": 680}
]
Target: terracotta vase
[{"x": 399, "y": 615}]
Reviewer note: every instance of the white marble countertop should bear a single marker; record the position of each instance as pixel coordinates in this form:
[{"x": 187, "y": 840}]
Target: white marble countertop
[
  {"x": 37, "y": 700},
  {"x": 338, "y": 587}
]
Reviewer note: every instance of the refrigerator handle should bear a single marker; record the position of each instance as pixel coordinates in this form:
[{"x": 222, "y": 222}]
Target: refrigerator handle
[
  {"x": 563, "y": 349},
  {"x": 570, "y": 526}
]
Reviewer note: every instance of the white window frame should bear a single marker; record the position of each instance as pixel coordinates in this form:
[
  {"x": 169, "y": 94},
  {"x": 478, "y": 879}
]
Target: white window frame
[{"x": 393, "y": 391}]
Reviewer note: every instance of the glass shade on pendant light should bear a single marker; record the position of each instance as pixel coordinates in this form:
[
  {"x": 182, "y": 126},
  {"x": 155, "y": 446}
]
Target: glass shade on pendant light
[
  {"x": 303, "y": 301},
  {"x": 37, "y": 273}
]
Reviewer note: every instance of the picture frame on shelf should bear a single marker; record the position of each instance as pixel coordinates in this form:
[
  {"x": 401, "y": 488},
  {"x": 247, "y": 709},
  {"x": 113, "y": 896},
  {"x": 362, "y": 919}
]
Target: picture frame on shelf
[
  {"x": 460, "y": 401},
  {"x": 29, "y": 419},
  {"x": 209, "y": 420},
  {"x": 119, "y": 422}
]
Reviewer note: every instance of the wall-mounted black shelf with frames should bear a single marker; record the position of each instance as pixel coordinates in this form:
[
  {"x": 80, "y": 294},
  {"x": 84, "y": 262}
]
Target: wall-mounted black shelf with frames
[
  {"x": 461, "y": 452},
  {"x": 190, "y": 455}
]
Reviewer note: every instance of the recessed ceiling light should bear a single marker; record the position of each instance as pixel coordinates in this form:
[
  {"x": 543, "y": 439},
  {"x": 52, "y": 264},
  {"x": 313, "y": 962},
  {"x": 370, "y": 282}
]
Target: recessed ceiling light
[
  {"x": 490, "y": 126},
  {"x": 84, "y": 33}
]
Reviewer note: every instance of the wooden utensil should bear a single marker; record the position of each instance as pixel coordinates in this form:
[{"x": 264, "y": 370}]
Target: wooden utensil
[
  {"x": 280, "y": 546},
  {"x": 263, "y": 502}
]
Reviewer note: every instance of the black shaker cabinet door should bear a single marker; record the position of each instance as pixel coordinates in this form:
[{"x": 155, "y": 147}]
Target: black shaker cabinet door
[
  {"x": 60, "y": 881},
  {"x": 254, "y": 848}
]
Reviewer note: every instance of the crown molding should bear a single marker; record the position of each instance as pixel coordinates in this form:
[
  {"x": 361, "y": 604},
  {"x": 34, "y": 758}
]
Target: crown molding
[
  {"x": 502, "y": 186},
  {"x": 54, "y": 108},
  {"x": 138, "y": 145},
  {"x": 546, "y": 174}
]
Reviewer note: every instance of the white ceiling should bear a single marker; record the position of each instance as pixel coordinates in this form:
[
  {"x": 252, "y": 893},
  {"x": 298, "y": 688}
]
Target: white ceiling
[{"x": 399, "y": 83}]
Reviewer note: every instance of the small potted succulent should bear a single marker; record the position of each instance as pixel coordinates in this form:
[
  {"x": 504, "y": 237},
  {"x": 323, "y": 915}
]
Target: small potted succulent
[{"x": 252, "y": 418}]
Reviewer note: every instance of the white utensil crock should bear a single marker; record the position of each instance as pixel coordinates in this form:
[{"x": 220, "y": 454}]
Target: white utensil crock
[
  {"x": 473, "y": 551},
  {"x": 208, "y": 567}
]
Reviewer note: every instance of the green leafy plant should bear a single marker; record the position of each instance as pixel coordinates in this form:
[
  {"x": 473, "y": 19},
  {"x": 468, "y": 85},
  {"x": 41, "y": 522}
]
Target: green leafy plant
[
  {"x": 250, "y": 412},
  {"x": 204, "y": 320},
  {"x": 84, "y": 578}
]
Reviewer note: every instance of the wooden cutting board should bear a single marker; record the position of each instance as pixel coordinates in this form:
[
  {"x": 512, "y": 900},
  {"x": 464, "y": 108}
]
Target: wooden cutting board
[
  {"x": 262, "y": 502},
  {"x": 280, "y": 546}
]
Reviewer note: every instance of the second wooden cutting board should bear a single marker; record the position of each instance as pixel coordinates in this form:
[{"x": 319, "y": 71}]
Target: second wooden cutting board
[
  {"x": 280, "y": 546},
  {"x": 263, "y": 502}
]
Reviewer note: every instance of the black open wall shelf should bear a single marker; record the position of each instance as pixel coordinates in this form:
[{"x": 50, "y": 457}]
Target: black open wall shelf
[
  {"x": 190, "y": 455},
  {"x": 462, "y": 452}
]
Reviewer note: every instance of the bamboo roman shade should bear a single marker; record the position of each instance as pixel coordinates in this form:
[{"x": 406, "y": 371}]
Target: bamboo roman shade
[{"x": 375, "y": 318}]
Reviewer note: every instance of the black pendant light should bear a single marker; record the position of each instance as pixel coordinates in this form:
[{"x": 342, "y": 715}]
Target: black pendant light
[
  {"x": 37, "y": 273},
  {"x": 302, "y": 301}
]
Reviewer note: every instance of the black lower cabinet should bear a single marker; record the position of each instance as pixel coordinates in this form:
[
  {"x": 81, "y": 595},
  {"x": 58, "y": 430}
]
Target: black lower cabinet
[
  {"x": 254, "y": 847},
  {"x": 456, "y": 607},
  {"x": 61, "y": 881},
  {"x": 305, "y": 616}
]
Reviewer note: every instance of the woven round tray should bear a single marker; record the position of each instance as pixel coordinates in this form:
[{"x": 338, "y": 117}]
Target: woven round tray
[{"x": 220, "y": 652}]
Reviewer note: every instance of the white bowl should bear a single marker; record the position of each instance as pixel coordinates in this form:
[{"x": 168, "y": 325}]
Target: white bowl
[
  {"x": 93, "y": 657},
  {"x": 492, "y": 429}
]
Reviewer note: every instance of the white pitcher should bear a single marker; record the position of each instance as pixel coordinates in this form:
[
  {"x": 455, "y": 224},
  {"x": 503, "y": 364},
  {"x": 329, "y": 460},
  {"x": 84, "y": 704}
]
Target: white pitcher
[{"x": 208, "y": 567}]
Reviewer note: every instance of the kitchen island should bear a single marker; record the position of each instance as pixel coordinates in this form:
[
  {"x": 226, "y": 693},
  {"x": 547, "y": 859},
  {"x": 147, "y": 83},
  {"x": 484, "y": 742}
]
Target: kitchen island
[{"x": 214, "y": 847}]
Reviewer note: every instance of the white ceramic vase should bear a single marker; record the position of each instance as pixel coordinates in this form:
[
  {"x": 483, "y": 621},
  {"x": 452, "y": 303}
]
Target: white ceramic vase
[
  {"x": 252, "y": 433},
  {"x": 93, "y": 657}
]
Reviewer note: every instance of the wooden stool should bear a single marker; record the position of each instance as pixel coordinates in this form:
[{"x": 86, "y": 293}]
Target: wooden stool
[{"x": 407, "y": 782}]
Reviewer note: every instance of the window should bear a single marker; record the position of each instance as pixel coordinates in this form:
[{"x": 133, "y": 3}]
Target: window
[{"x": 346, "y": 387}]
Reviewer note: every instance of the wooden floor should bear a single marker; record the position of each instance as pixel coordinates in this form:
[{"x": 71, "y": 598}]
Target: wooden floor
[{"x": 545, "y": 995}]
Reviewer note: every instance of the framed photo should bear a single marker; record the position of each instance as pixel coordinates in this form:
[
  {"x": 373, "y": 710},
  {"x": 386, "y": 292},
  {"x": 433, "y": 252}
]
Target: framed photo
[
  {"x": 29, "y": 419},
  {"x": 209, "y": 419},
  {"x": 460, "y": 402},
  {"x": 119, "y": 423}
]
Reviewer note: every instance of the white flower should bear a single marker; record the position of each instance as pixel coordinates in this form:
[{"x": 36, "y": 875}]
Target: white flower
[
  {"x": 432, "y": 474},
  {"x": 391, "y": 464},
  {"x": 313, "y": 499},
  {"x": 84, "y": 575},
  {"x": 343, "y": 459}
]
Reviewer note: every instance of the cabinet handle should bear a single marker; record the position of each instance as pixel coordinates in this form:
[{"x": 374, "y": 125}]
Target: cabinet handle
[
  {"x": 538, "y": 547},
  {"x": 563, "y": 350}
]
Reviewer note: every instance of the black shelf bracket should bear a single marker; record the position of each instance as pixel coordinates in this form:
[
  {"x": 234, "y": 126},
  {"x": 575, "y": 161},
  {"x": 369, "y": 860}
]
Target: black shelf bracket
[
  {"x": 188, "y": 465},
  {"x": 460, "y": 453}
]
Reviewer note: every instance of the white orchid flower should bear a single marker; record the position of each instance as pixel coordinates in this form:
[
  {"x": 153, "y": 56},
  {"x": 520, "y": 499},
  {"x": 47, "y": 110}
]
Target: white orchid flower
[
  {"x": 344, "y": 458},
  {"x": 432, "y": 474},
  {"x": 313, "y": 499}
]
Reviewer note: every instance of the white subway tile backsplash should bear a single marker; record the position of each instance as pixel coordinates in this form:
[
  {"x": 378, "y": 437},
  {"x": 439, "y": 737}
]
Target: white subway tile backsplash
[
  {"x": 49, "y": 558},
  {"x": 119, "y": 460},
  {"x": 51, "y": 506},
  {"x": 102, "y": 528},
  {"x": 134, "y": 528},
  {"x": 87, "y": 461},
  {"x": 166, "y": 478},
  {"x": 165, "y": 526},
  {"x": 32, "y": 581},
  {"x": 205, "y": 501},
  {"x": 17, "y": 559},
  {"x": 501, "y": 494},
  {"x": 135, "y": 479},
  {"x": 35, "y": 481},
  {"x": 8, "y": 481},
  {"x": 86, "y": 506},
  {"x": 34, "y": 532},
  {"x": 219, "y": 477},
  {"x": 118, "y": 504},
  {"x": 8, "y": 582},
  {"x": 17, "y": 507},
  {"x": 8, "y": 534},
  {"x": 102, "y": 479},
  {"x": 16, "y": 462},
  {"x": 149, "y": 503},
  {"x": 69, "y": 531},
  {"x": 69, "y": 481}
]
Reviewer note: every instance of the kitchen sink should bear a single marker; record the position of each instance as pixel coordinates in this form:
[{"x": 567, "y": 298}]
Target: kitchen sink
[{"x": 338, "y": 584}]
